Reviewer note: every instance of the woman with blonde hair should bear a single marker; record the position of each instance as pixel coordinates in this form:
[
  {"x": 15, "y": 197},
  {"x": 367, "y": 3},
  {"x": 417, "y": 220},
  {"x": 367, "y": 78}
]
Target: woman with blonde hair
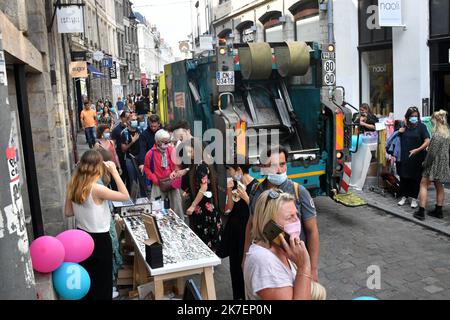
[
  {"x": 87, "y": 200},
  {"x": 436, "y": 166},
  {"x": 278, "y": 271}
]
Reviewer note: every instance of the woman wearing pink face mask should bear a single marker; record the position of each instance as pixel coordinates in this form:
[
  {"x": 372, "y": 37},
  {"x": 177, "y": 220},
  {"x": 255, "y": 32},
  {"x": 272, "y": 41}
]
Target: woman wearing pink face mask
[{"x": 278, "y": 272}]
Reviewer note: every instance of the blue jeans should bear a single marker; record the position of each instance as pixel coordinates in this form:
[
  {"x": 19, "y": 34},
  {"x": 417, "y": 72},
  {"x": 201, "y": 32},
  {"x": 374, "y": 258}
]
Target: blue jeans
[{"x": 90, "y": 136}]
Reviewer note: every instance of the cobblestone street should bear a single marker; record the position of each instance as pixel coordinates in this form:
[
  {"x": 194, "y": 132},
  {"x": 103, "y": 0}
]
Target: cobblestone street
[{"x": 414, "y": 261}]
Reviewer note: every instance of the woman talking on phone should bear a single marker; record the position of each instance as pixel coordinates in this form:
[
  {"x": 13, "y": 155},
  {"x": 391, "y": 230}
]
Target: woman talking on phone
[
  {"x": 87, "y": 200},
  {"x": 277, "y": 271}
]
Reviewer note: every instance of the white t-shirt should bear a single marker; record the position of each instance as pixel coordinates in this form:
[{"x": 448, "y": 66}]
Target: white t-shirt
[{"x": 263, "y": 270}]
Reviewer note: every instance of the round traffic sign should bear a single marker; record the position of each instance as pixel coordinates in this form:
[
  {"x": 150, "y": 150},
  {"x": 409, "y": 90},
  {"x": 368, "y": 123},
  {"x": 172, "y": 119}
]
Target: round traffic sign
[{"x": 329, "y": 79}]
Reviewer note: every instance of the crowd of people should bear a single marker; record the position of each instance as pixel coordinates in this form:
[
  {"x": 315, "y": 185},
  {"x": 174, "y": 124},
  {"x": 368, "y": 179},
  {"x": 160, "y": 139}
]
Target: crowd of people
[{"x": 139, "y": 147}]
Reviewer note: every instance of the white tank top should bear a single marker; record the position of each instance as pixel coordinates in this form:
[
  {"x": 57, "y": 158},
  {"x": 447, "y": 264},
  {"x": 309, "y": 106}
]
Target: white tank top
[{"x": 92, "y": 217}]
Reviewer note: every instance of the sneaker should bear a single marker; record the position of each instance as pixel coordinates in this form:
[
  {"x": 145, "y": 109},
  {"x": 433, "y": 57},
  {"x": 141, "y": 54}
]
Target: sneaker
[
  {"x": 402, "y": 201},
  {"x": 115, "y": 294},
  {"x": 414, "y": 203}
]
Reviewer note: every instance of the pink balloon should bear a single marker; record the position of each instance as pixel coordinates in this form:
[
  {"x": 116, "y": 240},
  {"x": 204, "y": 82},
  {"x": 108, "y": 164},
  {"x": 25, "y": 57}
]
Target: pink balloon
[
  {"x": 78, "y": 245},
  {"x": 47, "y": 254}
]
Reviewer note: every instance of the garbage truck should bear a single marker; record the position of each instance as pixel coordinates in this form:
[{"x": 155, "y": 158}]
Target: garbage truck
[{"x": 264, "y": 92}]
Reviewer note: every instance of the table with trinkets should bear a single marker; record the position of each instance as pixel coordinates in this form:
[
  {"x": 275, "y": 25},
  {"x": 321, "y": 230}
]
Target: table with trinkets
[{"x": 184, "y": 254}]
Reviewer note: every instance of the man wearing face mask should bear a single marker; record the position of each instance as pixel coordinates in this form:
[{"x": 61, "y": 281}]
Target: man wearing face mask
[
  {"x": 130, "y": 147},
  {"x": 147, "y": 139},
  {"x": 274, "y": 168},
  {"x": 158, "y": 166}
]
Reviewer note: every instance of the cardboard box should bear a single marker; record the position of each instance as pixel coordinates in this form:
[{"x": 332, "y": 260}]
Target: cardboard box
[
  {"x": 125, "y": 282},
  {"x": 153, "y": 245}
]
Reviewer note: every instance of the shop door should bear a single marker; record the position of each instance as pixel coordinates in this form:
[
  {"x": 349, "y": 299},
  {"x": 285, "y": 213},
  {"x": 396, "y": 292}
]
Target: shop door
[{"x": 441, "y": 90}]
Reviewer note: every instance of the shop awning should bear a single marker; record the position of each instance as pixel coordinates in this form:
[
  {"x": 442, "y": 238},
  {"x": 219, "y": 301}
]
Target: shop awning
[{"x": 95, "y": 73}]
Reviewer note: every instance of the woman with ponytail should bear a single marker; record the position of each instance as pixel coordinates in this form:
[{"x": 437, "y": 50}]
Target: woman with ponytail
[{"x": 436, "y": 166}]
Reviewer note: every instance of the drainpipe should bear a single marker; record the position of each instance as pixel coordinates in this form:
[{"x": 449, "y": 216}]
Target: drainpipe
[{"x": 330, "y": 22}]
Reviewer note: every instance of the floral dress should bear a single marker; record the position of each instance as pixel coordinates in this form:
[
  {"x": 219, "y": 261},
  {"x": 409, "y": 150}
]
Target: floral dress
[{"x": 206, "y": 221}]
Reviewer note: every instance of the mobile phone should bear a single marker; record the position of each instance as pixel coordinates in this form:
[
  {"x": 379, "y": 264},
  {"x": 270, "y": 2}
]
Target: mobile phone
[{"x": 272, "y": 231}]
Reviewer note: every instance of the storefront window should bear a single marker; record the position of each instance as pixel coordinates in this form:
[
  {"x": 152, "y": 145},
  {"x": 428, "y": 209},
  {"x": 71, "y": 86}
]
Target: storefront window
[
  {"x": 439, "y": 12},
  {"x": 377, "y": 80},
  {"x": 274, "y": 34}
]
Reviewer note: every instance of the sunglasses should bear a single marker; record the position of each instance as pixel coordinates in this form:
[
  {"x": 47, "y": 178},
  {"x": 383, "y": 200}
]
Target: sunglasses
[{"x": 273, "y": 195}]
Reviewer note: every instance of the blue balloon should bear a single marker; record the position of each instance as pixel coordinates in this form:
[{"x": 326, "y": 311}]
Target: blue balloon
[
  {"x": 365, "y": 298},
  {"x": 71, "y": 281}
]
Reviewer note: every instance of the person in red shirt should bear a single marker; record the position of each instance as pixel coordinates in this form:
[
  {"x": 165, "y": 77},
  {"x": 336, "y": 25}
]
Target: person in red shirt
[{"x": 158, "y": 166}]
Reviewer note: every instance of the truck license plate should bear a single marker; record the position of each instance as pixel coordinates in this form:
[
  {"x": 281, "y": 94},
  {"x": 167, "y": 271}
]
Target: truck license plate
[{"x": 225, "y": 78}]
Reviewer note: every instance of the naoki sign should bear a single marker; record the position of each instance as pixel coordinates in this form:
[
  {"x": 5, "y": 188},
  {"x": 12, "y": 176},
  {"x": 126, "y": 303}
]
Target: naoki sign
[{"x": 390, "y": 13}]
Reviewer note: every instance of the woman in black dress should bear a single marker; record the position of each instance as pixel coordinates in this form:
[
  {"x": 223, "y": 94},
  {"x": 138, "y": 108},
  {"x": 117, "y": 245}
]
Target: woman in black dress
[
  {"x": 414, "y": 139},
  {"x": 204, "y": 216},
  {"x": 239, "y": 186}
]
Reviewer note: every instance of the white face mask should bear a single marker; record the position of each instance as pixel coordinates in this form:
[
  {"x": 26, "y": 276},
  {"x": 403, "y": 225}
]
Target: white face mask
[{"x": 277, "y": 179}]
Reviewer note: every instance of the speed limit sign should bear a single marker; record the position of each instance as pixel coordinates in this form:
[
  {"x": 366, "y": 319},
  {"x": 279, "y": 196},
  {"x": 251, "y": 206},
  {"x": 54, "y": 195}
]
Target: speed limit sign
[
  {"x": 329, "y": 79},
  {"x": 329, "y": 66}
]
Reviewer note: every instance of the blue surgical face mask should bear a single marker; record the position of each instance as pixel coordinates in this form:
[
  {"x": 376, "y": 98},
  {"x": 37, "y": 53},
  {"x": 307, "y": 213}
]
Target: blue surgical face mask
[
  {"x": 134, "y": 123},
  {"x": 277, "y": 179},
  {"x": 142, "y": 125},
  {"x": 414, "y": 120},
  {"x": 107, "y": 135}
]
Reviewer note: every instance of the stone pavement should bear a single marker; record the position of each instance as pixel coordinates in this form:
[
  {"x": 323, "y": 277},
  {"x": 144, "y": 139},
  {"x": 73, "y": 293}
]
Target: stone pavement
[
  {"x": 414, "y": 261},
  {"x": 386, "y": 202}
]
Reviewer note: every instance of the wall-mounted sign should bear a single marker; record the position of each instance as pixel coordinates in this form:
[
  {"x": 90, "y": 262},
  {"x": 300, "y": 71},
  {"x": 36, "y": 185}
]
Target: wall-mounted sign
[
  {"x": 78, "y": 69},
  {"x": 98, "y": 56},
  {"x": 70, "y": 19},
  {"x": 107, "y": 62},
  {"x": 113, "y": 71},
  {"x": 78, "y": 55},
  {"x": 390, "y": 13}
]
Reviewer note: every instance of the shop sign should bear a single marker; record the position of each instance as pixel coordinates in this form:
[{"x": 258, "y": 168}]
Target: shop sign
[
  {"x": 390, "y": 13},
  {"x": 98, "y": 56},
  {"x": 113, "y": 71},
  {"x": 78, "y": 55},
  {"x": 381, "y": 68},
  {"x": 70, "y": 19},
  {"x": 107, "y": 62},
  {"x": 78, "y": 69}
]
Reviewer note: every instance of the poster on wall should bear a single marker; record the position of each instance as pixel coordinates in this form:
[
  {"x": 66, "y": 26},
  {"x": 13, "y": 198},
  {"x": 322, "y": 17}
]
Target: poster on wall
[{"x": 180, "y": 101}]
